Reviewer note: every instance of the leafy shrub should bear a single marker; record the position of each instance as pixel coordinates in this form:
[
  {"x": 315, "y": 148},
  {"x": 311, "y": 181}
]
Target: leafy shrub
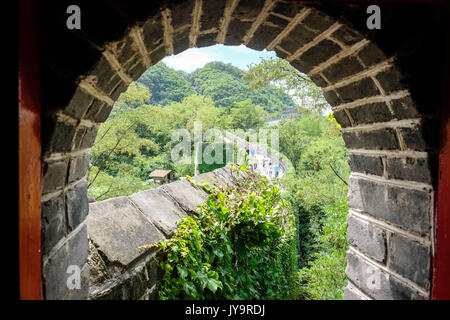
[{"x": 241, "y": 244}]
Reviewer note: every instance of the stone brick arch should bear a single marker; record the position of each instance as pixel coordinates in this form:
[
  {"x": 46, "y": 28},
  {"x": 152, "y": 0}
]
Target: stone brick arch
[{"x": 365, "y": 75}]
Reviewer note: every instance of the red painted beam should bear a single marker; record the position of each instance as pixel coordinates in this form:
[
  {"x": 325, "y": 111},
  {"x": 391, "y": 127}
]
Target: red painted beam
[
  {"x": 440, "y": 289},
  {"x": 29, "y": 153}
]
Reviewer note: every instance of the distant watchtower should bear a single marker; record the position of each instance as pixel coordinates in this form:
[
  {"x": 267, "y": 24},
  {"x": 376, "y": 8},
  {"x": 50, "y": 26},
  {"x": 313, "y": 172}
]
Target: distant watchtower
[
  {"x": 161, "y": 176},
  {"x": 290, "y": 113}
]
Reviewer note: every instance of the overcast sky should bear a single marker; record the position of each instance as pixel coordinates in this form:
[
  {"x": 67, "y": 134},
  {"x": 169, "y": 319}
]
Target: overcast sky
[{"x": 239, "y": 56}]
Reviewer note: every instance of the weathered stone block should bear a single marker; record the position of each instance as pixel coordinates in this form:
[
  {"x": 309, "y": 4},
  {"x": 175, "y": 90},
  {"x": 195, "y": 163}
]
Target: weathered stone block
[
  {"x": 367, "y": 238},
  {"x": 321, "y": 52},
  {"x": 366, "y": 164},
  {"x": 236, "y": 31},
  {"x": 358, "y": 90},
  {"x": 158, "y": 54},
  {"x": 344, "y": 68},
  {"x": 215, "y": 11},
  {"x": 298, "y": 37},
  {"x": 342, "y": 119},
  {"x": 136, "y": 69},
  {"x": 73, "y": 252},
  {"x": 82, "y": 292},
  {"x": 406, "y": 208},
  {"x": 380, "y": 139},
  {"x": 61, "y": 137},
  {"x": 332, "y": 98},
  {"x": 206, "y": 40},
  {"x": 371, "y": 55},
  {"x": 287, "y": 9},
  {"x": 180, "y": 42},
  {"x": 54, "y": 176},
  {"x": 390, "y": 80},
  {"x": 409, "y": 169},
  {"x": 376, "y": 283},
  {"x": 153, "y": 33},
  {"x": 187, "y": 196},
  {"x": 79, "y": 103},
  {"x": 181, "y": 13},
  {"x": 77, "y": 204},
  {"x": 118, "y": 228},
  {"x": 159, "y": 209},
  {"x": 53, "y": 226},
  {"x": 318, "y": 21},
  {"x": 414, "y": 138},
  {"x": 78, "y": 167},
  {"x": 319, "y": 80},
  {"x": 347, "y": 36},
  {"x": 371, "y": 113},
  {"x": 410, "y": 259},
  {"x": 85, "y": 138},
  {"x": 264, "y": 35},
  {"x": 350, "y": 294},
  {"x": 405, "y": 108}
]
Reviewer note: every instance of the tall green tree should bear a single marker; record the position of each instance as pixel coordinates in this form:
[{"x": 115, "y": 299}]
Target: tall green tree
[{"x": 281, "y": 74}]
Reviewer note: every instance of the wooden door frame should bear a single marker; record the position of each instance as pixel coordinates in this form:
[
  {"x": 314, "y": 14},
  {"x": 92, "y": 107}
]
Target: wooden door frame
[{"x": 29, "y": 153}]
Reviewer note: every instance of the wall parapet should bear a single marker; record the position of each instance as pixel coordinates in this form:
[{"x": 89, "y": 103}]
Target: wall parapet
[{"x": 117, "y": 227}]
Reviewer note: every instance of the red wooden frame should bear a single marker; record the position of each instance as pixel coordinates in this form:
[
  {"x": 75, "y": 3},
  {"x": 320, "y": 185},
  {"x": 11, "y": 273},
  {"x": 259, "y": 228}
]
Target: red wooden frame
[
  {"x": 440, "y": 289},
  {"x": 29, "y": 153}
]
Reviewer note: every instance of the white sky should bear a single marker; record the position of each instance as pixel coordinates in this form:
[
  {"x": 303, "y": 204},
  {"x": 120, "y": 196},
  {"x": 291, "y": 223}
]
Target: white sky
[{"x": 239, "y": 56}]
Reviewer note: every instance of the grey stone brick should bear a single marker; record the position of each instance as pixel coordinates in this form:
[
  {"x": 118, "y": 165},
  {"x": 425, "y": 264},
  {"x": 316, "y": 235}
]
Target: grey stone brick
[
  {"x": 319, "y": 80},
  {"x": 409, "y": 169},
  {"x": 73, "y": 252},
  {"x": 367, "y": 238},
  {"x": 344, "y": 68},
  {"x": 287, "y": 9},
  {"x": 179, "y": 10},
  {"x": 61, "y": 137},
  {"x": 82, "y": 292},
  {"x": 390, "y": 80},
  {"x": 215, "y": 11},
  {"x": 342, "y": 119},
  {"x": 347, "y": 35},
  {"x": 263, "y": 36},
  {"x": 53, "y": 226},
  {"x": 180, "y": 42},
  {"x": 376, "y": 283},
  {"x": 54, "y": 176},
  {"x": 236, "y": 31},
  {"x": 371, "y": 55},
  {"x": 79, "y": 103},
  {"x": 78, "y": 167},
  {"x": 371, "y": 113},
  {"x": 321, "y": 52},
  {"x": 413, "y": 138},
  {"x": 410, "y": 259},
  {"x": 358, "y": 90},
  {"x": 152, "y": 33},
  {"x": 318, "y": 21},
  {"x": 298, "y": 37},
  {"x": 350, "y": 294},
  {"x": 85, "y": 138},
  {"x": 77, "y": 205},
  {"x": 380, "y": 139},
  {"x": 332, "y": 98},
  {"x": 406, "y": 208},
  {"x": 405, "y": 108},
  {"x": 366, "y": 164}
]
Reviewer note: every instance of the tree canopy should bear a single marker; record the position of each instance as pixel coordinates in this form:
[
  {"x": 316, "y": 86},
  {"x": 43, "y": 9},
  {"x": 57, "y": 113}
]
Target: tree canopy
[{"x": 223, "y": 83}]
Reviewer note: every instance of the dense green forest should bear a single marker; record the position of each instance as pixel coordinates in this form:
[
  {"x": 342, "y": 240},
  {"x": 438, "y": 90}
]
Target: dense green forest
[
  {"x": 224, "y": 83},
  {"x": 137, "y": 138}
]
